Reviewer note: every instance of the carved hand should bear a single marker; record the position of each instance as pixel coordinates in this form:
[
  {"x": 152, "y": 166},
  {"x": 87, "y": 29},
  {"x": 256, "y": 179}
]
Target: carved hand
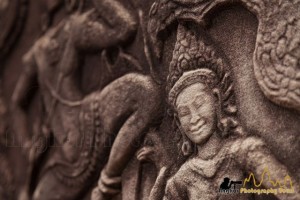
[{"x": 154, "y": 151}]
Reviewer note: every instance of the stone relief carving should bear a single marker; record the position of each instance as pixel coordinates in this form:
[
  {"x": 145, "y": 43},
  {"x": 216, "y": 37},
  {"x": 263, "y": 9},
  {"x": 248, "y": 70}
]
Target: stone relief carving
[
  {"x": 204, "y": 109},
  {"x": 164, "y": 123},
  {"x": 275, "y": 59}
]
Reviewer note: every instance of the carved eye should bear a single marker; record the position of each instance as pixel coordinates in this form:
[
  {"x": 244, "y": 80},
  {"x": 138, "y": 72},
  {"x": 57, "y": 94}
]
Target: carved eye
[
  {"x": 149, "y": 142},
  {"x": 183, "y": 111},
  {"x": 198, "y": 102}
]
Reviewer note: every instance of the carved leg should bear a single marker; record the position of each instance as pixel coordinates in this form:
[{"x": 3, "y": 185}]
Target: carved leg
[
  {"x": 144, "y": 96},
  {"x": 123, "y": 149}
]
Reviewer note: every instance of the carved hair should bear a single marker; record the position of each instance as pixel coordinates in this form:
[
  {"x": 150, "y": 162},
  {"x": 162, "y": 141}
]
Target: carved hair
[{"x": 194, "y": 61}]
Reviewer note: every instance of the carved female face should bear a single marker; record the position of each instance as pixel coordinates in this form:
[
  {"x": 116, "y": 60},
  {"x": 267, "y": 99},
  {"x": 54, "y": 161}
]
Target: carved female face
[{"x": 196, "y": 110}]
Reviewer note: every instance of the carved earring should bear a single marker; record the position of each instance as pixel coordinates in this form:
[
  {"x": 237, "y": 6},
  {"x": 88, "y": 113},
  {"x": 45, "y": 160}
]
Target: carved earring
[{"x": 186, "y": 147}]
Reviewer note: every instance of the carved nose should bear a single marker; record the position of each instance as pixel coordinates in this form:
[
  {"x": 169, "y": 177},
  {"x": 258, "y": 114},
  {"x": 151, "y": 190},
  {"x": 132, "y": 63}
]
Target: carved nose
[{"x": 195, "y": 119}]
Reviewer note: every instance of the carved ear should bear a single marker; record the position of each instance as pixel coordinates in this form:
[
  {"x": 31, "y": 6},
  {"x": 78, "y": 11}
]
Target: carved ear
[
  {"x": 217, "y": 94},
  {"x": 186, "y": 148}
]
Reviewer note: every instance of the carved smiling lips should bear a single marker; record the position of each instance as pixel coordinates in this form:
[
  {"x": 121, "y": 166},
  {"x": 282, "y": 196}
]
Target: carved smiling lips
[{"x": 196, "y": 129}]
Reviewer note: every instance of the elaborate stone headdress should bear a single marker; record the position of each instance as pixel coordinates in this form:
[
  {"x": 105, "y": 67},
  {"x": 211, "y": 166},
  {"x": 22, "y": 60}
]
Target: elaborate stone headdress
[
  {"x": 195, "y": 61},
  {"x": 191, "y": 53}
]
